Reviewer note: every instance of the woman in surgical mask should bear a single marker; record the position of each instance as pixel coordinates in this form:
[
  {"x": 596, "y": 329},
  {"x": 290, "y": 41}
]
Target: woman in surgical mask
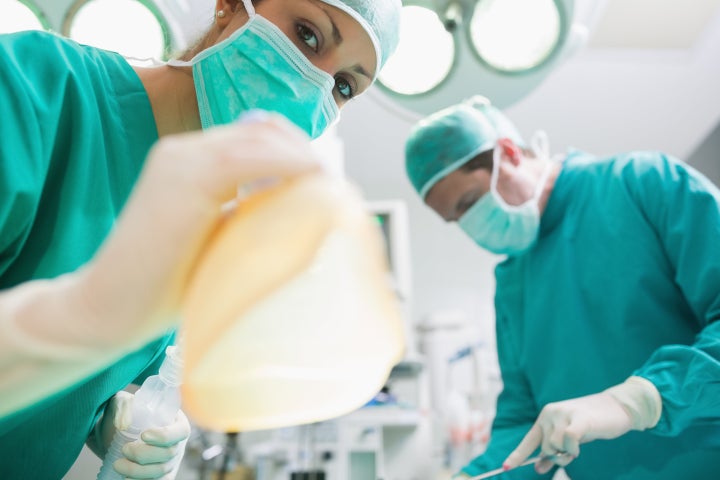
[
  {"x": 316, "y": 56},
  {"x": 89, "y": 296}
]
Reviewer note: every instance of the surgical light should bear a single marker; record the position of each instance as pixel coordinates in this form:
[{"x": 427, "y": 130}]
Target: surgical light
[
  {"x": 425, "y": 55},
  {"x": 128, "y": 27},
  {"x": 515, "y": 35},
  {"x": 17, "y": 16},
  {"x": 502, "y": 49}
]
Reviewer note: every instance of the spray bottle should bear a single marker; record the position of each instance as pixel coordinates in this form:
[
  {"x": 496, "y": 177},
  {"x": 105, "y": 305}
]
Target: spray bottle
[{"x": 156, "y": 404}]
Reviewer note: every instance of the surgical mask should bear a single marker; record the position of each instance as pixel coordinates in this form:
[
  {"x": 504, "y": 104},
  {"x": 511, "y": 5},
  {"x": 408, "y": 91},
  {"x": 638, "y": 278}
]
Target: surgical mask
[
  {"x": 502, "y": 228},
  {"x": 258, "y": 67}
]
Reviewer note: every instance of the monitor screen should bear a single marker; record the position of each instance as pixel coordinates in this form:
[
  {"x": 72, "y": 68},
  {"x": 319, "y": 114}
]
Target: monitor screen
[{"x": 384, "y": 220}]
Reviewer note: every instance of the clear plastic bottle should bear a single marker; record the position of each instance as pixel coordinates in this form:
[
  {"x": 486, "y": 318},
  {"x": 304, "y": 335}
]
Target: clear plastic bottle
[{"x": 156, "y": 404}]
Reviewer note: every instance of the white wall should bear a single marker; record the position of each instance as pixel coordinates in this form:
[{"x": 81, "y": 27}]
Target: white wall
[
  {"x": 707, "y": 156},
  {"x": 611, "y": 100}
]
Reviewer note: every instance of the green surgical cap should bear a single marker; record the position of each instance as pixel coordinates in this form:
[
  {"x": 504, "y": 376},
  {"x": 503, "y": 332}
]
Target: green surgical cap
[
  {"x": 381, "y": 21},
  {"x": 444, "y": 141}
]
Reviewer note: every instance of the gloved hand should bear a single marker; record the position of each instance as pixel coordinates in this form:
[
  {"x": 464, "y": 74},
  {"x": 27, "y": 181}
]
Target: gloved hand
[
  {"x": 57, "y": 331},
  {"x": 158, "y": 452},
  {"x": 562, "y": 426},
  {"x": 142, "y": 270}
]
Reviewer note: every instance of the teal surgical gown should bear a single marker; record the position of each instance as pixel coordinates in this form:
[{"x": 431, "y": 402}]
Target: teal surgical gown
[
  {"x": 624, "y": 280},
  {"x": 75, "y": 127}
]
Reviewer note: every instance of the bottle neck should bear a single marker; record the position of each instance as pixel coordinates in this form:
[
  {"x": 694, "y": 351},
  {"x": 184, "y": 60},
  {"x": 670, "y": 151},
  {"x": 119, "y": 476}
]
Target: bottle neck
[{"x": 171, "y": 369}]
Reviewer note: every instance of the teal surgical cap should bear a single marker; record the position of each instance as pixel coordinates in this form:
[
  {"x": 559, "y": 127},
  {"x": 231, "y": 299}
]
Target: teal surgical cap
[
  {"x": 444, "y": 141},
  {"x": 381, "y": 21}
]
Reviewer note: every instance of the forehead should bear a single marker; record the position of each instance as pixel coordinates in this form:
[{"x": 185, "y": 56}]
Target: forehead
[{"x": 357, "y": 47}]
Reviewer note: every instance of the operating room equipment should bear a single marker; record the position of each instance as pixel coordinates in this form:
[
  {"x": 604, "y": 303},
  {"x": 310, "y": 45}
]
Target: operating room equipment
[
  {"x": 156, "y": 404},
  {"x": 466, "y": 412}
]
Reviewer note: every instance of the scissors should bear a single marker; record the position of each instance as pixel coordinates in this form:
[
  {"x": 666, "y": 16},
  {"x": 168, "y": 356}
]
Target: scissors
[{"x": 530, "y": 461}]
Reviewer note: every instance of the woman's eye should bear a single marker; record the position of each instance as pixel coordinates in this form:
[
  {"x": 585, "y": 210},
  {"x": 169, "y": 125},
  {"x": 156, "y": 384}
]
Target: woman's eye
[
  {"x": 344, "y": 88},
  {"x": 308, "y": 36}
]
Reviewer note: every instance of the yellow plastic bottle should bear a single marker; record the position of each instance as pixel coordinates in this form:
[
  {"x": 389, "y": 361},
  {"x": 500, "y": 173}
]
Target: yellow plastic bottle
[{"x": 290, "y": 317}]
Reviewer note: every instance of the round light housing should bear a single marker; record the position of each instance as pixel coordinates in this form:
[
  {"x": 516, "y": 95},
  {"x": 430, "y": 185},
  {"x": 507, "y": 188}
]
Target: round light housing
[
  {"x": 425, "y": 54},
  {"x": 515, "y": 36},
  {"x": 17, "y": 16},
  {"x": 128, "y": 27}
]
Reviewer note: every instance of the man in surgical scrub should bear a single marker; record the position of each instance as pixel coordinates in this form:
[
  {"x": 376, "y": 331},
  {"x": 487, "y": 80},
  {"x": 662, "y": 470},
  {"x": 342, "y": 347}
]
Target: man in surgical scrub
[{"x": 607, "y": 300}]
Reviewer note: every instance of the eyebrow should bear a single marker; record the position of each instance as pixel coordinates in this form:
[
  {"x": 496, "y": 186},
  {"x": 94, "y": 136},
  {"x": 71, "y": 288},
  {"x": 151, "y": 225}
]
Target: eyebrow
[
  {"x": 359, "y": 69},
  {"x": 338, "y": 39}
]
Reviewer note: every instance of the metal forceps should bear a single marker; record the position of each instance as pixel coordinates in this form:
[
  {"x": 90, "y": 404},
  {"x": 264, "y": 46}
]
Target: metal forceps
[{"x": 530, "y": 461}]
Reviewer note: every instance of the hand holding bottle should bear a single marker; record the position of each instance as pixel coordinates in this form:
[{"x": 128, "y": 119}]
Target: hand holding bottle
[{"x": 157, "y": 452}]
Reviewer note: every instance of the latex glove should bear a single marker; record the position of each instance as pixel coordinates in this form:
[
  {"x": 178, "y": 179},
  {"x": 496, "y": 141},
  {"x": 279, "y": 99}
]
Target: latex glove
[
  {"x": 158, "y": 452},
  {"x": 142, "y": 270},
  {"x": 55, "y": 332},
  {"x": 562, "y": 426}
]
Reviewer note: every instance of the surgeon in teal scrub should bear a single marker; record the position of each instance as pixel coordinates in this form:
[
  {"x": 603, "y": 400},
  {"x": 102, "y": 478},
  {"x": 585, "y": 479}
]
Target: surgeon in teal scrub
[
  {"x": 83, "y": 286},
  {"x": 607, "y": 297}
]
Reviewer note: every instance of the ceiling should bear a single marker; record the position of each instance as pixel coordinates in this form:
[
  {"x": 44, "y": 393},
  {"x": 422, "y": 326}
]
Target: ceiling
[
  {"x": 652, "y": 24},
  {"x": 646, "y": 87},
  {"x": 646, "y": 79}
]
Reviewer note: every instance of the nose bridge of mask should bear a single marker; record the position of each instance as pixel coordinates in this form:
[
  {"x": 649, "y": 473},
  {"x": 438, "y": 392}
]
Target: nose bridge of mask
[
  {"x": 302, "y": 65},
  {"x": 292, "y": 54},
  {"x": 299, "y": 62},
  {"x": 312, "y": 106},
  {"x": 297, "y": 59},
  {"x": 279, "y": 41},
  {"x": 321, "y": 80}
]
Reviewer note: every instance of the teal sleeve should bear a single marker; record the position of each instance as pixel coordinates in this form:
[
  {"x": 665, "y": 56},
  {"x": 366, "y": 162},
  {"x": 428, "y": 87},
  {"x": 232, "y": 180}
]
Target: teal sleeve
[
  {"x": 516, "y": 413},
  {"x": 23, "y": 161},
  {"x": 684, "y": 208},
  {"x": 154, "y": 366}
]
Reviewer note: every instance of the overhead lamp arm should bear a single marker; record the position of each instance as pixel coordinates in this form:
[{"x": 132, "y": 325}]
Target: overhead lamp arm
[{"x": 452, "y": 16}]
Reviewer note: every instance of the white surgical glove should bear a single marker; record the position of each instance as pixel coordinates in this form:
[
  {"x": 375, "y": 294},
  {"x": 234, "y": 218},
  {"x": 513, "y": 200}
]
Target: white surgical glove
[
  {"x": 58, "y": 331},
  {"x": 562, "y": 426},
  {"x": 158, "y": 452}
]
